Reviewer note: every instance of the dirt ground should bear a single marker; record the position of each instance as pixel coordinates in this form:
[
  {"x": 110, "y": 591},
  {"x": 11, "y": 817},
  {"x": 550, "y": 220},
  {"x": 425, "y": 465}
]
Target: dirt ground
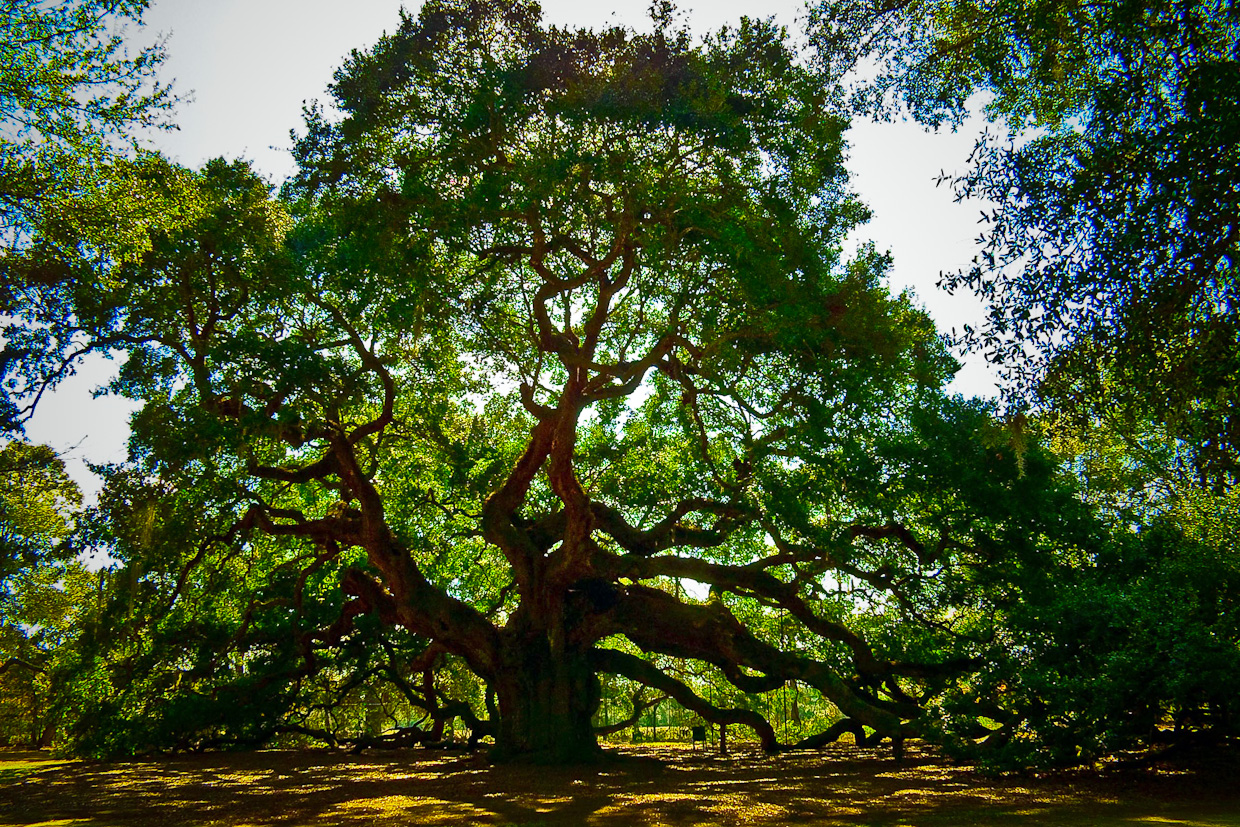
[{"x": 653, "y": 785}]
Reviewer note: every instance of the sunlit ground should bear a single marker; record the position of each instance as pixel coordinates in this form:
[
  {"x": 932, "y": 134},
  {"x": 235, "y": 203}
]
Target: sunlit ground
[{"x": 842, "y": 785}]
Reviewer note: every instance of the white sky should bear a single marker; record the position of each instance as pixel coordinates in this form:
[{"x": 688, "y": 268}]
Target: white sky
[{"x": 250, "y": 64}]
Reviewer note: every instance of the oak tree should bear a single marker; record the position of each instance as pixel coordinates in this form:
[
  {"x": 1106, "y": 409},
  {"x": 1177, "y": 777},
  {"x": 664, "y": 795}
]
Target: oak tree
[{"x": 552, "y": 349}]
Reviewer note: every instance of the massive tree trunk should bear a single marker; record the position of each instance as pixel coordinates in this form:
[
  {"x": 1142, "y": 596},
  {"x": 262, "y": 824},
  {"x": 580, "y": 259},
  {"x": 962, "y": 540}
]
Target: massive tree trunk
[{"x": 547, "y": 699}]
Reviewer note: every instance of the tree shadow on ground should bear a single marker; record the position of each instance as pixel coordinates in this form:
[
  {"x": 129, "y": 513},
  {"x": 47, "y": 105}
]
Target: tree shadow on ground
[{"x": 842, "y": 785}]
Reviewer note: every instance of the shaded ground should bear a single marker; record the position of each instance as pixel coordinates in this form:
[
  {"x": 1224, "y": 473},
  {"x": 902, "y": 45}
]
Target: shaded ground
[{"x": 841, "y": 785}]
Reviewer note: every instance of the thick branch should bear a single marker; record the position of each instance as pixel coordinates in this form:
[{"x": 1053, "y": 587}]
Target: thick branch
[
  {"x": 639, "y": 706},
  {"x": 832, "y": 734},
  {"x": 318, "y": 470},
  {"x": 668, "y": 532},
  {"x": 499, "y": 513},
  {"x": 634, "y": 668},
  {"x": 4, "y": 667},
  {"x": 760, "y": 582},
  {"x": 421, "y": 607},
  {"x": 657, "y": 622}
]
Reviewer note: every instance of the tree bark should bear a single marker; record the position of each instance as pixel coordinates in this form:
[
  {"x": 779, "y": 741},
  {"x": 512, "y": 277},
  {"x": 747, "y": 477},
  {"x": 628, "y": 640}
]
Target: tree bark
[{"x": 547, "y": 700}]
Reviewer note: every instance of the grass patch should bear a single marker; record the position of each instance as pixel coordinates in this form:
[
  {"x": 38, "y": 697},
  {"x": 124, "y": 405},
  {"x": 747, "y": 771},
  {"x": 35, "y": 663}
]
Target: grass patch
[{"x": 14, "y": 766}]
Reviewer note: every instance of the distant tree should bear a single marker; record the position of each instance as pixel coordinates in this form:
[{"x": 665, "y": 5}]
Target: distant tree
[
  {"x": 36, "y": 498},
  {"x": 1109, "y": 257},
  {"x": 1109, "y": 262},
  {"x": 39, "y": 585}
]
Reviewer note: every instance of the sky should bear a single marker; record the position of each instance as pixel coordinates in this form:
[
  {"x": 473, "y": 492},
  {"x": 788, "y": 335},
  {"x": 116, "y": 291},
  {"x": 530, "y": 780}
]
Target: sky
[{"x": 246, "y": 67}]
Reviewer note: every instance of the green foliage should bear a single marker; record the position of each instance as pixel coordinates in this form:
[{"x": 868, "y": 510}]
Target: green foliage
[
  {"x": 1109, "y": 255},
  {"x": 41, "y": 586},
  {"x": 1108, "y": 264},
  {"x": 73, "y": 100},
  {"x": 1125, "y": 641},
  {"x": 36, "y": 498},
  {"x": 1133, "y": 648},
  {"x": 199, "y": 639},
  {"x": 68, "y": 79},
  {"x": 74, "y": 188},
  {"x": 212, "y": 224}
]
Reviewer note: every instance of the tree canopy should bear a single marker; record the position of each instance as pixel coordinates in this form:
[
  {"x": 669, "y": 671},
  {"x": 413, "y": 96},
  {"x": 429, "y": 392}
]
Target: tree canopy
[{"x": 563, "y": 321}]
